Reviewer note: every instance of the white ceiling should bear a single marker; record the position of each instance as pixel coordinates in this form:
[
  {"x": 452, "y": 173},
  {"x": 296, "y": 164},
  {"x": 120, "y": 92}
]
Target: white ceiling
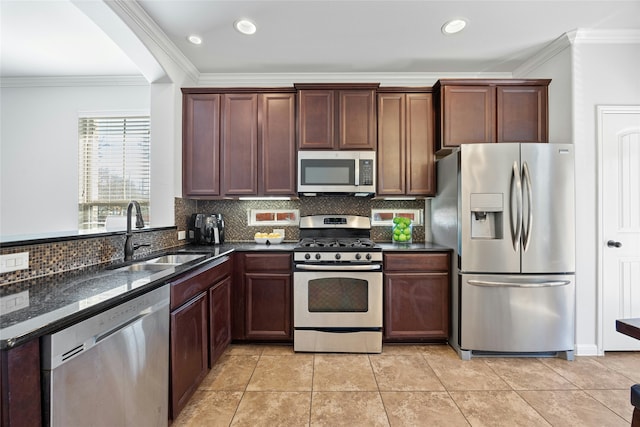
[{"x": 55, "y": 38}]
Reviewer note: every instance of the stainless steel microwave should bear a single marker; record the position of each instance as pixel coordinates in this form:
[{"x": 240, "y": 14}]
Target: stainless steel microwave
[{"x": 352, "y": 172}]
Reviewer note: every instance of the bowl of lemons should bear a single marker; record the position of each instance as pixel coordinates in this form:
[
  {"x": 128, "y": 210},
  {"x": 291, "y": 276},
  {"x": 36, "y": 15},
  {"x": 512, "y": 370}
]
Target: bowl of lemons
[
  {"x": 268, "y": 238},
  {"x": 402, "y": 230}
]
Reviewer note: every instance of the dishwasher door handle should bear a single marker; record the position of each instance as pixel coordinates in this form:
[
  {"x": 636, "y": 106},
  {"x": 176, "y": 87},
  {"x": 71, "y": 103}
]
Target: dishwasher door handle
[{"x": 110, "y": 332}]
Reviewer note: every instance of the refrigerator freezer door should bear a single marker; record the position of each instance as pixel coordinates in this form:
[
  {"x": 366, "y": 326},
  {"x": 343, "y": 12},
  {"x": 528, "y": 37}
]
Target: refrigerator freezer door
[
  {"x": 548, "y": 220},
  {"x": 490, "y": 208},
  {"x": 517, "y": 313}
]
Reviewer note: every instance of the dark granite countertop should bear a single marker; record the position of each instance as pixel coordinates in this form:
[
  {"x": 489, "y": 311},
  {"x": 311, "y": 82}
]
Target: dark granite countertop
[{"x": 55, "y": 302}]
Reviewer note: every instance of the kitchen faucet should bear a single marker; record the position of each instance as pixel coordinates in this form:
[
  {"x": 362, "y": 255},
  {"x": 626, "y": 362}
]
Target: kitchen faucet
[{"x": 129, "y": 247}]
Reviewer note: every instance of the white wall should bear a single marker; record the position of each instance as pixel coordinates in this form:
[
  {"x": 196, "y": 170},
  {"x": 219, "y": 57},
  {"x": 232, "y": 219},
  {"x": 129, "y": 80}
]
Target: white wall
[
  {"x": 587, "y": 74},
  {"x": 605, "y": 74},
  {"x": 39, "y": 151}
]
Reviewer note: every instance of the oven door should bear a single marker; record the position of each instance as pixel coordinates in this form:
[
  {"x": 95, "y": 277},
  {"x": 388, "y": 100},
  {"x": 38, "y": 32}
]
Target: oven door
[{"x": 337, "y": 299}]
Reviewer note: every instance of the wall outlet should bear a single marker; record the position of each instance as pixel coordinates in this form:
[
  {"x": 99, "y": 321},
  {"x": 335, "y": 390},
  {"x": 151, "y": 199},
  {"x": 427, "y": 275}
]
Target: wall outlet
[
  {"x": 279, "y": 230},
  {"x": 14, "y": 262},
  {"x": 14, "y": 302},
  {"x": 182, "y": 235}
]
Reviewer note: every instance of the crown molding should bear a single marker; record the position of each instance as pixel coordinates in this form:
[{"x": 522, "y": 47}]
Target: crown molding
[
  {"x": 148, "y": 26},
  {"x": 288, "y": 79},
  {"x": 73, "y": 81},
  {"x": 545, "y": 54},
  {"x": 578, "y": 36},
  {"x": 626, "y": 36}
]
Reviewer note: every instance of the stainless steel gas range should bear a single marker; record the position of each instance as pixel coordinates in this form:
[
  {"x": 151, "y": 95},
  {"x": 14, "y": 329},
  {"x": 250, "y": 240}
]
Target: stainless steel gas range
[{"x": 337, "y": 286}]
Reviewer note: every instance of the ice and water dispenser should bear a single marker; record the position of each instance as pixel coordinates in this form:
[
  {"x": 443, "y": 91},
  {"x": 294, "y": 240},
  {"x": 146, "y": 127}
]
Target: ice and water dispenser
[{"x": 486, "y": 215}]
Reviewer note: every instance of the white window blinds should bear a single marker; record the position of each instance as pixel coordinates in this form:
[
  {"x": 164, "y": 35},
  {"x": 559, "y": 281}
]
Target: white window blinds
[{"x": 114, "y": 167}]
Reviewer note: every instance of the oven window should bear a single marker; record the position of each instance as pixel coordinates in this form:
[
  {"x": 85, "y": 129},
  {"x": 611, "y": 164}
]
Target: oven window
[{"x": 338, "y": 295}]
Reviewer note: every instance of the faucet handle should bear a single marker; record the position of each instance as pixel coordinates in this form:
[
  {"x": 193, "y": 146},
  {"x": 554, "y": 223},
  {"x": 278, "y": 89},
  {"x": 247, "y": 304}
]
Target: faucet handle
[{"x": 138, "y": 246}]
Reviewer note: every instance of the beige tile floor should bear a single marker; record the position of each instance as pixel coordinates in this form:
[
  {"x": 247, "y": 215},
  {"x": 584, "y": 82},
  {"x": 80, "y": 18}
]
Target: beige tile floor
[{"x": 410, "y": 385}]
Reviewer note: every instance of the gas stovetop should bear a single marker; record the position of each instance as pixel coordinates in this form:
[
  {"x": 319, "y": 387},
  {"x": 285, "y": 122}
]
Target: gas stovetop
[
  {"x": 336, "y": 238},
  {"x": 330, "y": 243}
]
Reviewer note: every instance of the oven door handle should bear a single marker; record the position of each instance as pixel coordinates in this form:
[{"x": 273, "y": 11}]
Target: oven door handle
[{"x": 350, "y": 267}]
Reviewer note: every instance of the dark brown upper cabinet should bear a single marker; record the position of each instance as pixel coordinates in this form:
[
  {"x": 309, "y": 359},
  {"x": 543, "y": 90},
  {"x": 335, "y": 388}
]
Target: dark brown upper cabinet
[
  {"x": 478, "y": 110},
  {"x": 406, "y": 160},
  {"x": 337, "y": 116},
  {"x": 238, "y": 142}
]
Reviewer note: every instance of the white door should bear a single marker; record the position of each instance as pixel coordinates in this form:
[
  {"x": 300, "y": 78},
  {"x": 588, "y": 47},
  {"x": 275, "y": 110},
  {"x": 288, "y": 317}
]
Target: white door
[{"x": 619, "y": 139}]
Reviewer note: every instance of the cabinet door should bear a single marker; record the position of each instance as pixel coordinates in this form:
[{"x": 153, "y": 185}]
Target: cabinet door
[
  {"x": 201, "y": 145},
  {"x": 20, "y": 385},
  {"x": 416, "y": 306},
  {"x": 420, "y": 158},
  {"x": 277, "y": 143},
  {"x": 391, "y": 144},
  {"x": 240, "y": 144},
  {"x": 268, "y": 306},
  {"x": 468, "y": 114},
  {"x": 219, "y": 319},
  {"x": 357, "y": 119},
  {"x": 189, "y": 360},
  {"x": 316, "y": 119},
  {"x": 522, "y": 113}
]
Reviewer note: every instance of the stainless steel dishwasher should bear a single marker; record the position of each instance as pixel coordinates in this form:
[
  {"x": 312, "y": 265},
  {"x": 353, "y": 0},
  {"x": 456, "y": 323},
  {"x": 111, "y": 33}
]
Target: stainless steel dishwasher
[{"x": 111, "y": 369}]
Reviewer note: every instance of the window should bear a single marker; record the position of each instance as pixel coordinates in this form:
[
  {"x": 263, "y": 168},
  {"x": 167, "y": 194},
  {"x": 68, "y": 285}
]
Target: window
[
  {"x": 282, "y": 217},
  {"x": 114, "y": 167}
]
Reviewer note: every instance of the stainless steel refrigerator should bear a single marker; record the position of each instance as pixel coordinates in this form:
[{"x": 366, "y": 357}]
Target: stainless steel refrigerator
[{"x": 507, "y": 210}]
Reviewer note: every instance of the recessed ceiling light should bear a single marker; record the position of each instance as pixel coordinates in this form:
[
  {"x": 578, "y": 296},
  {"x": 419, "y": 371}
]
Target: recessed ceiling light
[
  {"x": 454, "y": 26},
  {"x": 245, "y": 26},
  {"x": 195, "y": 39}
]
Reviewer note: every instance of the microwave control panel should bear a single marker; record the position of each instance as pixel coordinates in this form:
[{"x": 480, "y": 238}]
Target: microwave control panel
[{"x": 366, "y": 172}]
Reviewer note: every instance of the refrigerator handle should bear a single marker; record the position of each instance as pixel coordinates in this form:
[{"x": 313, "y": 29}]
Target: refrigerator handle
[
  {"x": 527, "y": 182},
  {"x": 546, "y": 284},
  {"x": 515, "y": 180}
]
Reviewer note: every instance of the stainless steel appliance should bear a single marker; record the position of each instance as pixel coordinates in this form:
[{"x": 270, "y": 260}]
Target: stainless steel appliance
[
  {"x": 206, "y": 229},
  {"x": 337, "y": 286},
  {"x": 508, "y": 212},
  {"x": 111, "y": 369},
  {"x": 342, "y": 172}
]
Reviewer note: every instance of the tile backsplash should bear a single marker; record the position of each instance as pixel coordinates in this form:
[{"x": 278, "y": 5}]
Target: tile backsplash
[
  {"x": 67, "y": 255},
  {"x": 236, "y": 218}
]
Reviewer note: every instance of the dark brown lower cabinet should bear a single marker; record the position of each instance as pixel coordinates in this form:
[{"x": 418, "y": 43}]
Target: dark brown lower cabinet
[
  {"x": 189, "y": 352},
  {"x": 262, "y": 305},
  {"x": 268, "y": 306},
  {"x": 20, "y": 386},
  {"x": 219, "y": 319},
  {"x": 416, "y": 297},
  {"x": 200, "y": 328}
]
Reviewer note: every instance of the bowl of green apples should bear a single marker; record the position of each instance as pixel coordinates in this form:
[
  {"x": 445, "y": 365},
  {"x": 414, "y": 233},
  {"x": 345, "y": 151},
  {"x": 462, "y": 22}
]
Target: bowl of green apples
[{"x": 402, "y": 230}]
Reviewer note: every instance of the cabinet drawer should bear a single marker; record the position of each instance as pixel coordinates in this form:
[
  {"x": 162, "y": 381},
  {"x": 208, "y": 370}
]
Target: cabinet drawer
[
  {"x": 196, "y": 281},
  {"x": 267, "y": 262},
  {"x": 438, "y": 261}
]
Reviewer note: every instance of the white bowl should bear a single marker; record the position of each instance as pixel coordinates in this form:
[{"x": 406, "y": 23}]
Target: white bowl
[{"x": 271, "y": 240}]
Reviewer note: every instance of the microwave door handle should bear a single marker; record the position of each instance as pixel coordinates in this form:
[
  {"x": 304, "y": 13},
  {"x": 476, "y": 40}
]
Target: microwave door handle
[{"x": 357, "y": 172}]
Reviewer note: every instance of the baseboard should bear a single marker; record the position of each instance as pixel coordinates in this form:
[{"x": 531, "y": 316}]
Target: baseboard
[{"x": 587, "y": 350}]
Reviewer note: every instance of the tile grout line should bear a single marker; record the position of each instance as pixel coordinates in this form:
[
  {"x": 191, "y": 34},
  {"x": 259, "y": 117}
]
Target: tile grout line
[{"x": 375, "y": 378}]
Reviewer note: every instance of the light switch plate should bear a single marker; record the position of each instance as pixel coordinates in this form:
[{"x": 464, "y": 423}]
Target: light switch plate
[
  {"x": 182, "y": 235},
  {"x": 14, "y": 262},
  {"x": 279, "y": 230}
]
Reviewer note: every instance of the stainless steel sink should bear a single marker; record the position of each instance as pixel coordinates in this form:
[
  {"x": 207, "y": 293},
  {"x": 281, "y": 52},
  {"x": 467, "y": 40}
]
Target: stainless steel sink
[
  {"x": 142, "y": 266},
  {"x": 161, "y": 263},
  {"x": 174, "y": 259}
]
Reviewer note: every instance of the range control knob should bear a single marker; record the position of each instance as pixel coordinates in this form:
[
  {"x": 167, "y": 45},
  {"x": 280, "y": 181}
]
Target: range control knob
[
  {"x": 358, "y": 256},
  {"x": 368, "y": 257},
  {"x": 307, "y": 256},
  {"x": 317, "y": 256},
  {"x": 338, "y": 256}
]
